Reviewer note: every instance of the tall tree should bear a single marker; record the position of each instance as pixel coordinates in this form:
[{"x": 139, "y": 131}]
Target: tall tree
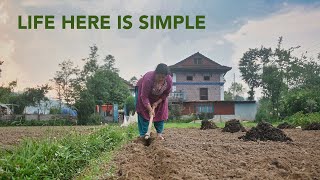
[
  {"x": 133, "y": 79},
  {"x": 108, "y": 87},
  {"x": 85, "y": 106},
  {"x": 249, "y": 67},
  {"x": 91, "y": 63},
  {"x": 109, "y": 64},
  {"x": 272, "y": 84},
  {"x": 35, "y": 96},
  {"x": 236, "y": 89},
  {"x": 63, "y": 81}
]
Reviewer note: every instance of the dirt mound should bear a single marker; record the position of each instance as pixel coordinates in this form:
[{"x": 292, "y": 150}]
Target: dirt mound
[
  {"x": 205, "y": 124},
  {"x": 232, "y": 126},
  {"x": 264, "y": 132},
  {"x": 312, "y": 126},
  {"x": 286, "y": 125}
]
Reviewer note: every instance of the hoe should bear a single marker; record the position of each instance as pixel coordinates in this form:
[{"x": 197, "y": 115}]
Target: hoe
[{"x": 147, "y": 136}]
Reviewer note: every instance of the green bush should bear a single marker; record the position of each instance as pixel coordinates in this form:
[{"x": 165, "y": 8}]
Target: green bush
[
  {"x": 130, "y": 104},
  {"x": 61, "y": 158},
  {"x": 94, "y": 119},
  {"x": 303, "y": 100},
  {"x": 184, "y": 119},
  {"x": 175, "y": 111},
  {"x": 205, "y": 116},
  {"x": 300, "y": 119},
  {"x": 264, "y": 112},
  {"x": 54, "y": 110}
]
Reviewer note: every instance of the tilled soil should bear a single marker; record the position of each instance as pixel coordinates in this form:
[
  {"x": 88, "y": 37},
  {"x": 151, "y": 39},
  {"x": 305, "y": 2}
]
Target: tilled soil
[
  {"x": 12, "y": 136},
  {"x": 212, "y": 154}
]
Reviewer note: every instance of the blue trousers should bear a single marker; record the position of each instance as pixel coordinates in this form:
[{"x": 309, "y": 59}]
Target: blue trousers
[{"x": 143, "y": 123}]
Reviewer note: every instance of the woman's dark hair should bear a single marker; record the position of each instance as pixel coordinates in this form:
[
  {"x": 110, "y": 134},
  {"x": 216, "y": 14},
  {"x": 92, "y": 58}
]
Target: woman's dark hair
[{"x": 162, "y": 69}]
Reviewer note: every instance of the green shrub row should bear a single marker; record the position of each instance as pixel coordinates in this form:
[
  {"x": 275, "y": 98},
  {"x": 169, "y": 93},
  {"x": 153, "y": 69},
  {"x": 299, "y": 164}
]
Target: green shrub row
[
  {"x": 301, "y": 119},
  {"x": 61, "y": 158}
]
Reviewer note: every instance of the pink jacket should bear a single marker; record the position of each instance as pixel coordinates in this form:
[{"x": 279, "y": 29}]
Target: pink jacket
[{"x": 145, "y": 85}]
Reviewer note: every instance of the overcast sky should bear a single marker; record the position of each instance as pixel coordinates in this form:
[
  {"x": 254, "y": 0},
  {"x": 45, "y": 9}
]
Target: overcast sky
[{"x": 232, "y": 27}]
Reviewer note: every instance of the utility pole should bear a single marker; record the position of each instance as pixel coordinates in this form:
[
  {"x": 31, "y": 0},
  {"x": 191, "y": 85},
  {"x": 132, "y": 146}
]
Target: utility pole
[{"x": 233, "y": 87}]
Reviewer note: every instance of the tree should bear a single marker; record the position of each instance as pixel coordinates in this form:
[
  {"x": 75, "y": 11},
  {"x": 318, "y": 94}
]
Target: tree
[
  {"x": 272, "y": 84},
  {"x": 249, "y": 67},
  {"x": 289, "y": 84},
  {"x": 236, "y": 89},
  {"x": 227, "y": 96},
  {"x": 85, "y": 106},
  {"x": 108, "y": 87},
  {"x": 133, "y": 80},
  {"x": 6, "y": 92},
  {"x": 30, "y": 97},
  {"x": 130, "y": 104},
  {"x": 34, "y": 96},
  {"x": 64, "y": 82},
  {"x": 91, "y": 63},
  {"x": 109, "y": 61}
]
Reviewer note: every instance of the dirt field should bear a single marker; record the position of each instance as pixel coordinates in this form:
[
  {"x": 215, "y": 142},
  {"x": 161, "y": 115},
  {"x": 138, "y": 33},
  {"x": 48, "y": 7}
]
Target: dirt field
[
  {"x": 11, "y": 136},
  {"x": 212, "y": 154}
]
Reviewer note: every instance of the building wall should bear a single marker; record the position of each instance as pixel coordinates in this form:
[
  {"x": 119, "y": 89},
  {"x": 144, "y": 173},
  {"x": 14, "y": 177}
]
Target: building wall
[
  {"x": 193, "y": 90},
  {"x": 246, "y": 111},
  {"x": 197, "y": 77},
  {"x": 225, "y": 110}
]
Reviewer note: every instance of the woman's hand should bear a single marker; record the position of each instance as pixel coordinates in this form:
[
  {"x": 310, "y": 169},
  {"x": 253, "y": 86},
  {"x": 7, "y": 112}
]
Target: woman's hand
[
  {"x": 151, "y": 113},
  {"x": 155, "y": 104},
  {"x": 151, "y": 110}
]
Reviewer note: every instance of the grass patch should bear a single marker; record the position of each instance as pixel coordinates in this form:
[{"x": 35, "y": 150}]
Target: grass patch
[
  {"x": 63, "y": 158},
  {"x": 182, "y": 125},
  {"x": 249, "y": 124}
]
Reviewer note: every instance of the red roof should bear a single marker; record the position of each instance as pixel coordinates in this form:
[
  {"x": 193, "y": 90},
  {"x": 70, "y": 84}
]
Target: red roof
[{"x": 205, "y": 64}]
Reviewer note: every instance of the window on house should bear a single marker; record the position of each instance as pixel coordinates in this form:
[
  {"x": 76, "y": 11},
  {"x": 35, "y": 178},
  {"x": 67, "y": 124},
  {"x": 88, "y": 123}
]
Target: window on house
[
  {"x": 206, "y": 78},
  {"x": 189, "y": 78},
  {"x": 197, "y": 61},
  {"x": 203, "y": 93},
  {"x": 204, "y": 108}
]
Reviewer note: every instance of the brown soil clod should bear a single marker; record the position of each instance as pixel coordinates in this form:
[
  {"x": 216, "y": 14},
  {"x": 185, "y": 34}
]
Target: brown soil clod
[
  {"x": 233, "y": 126},
  {"x": 145, "y": 142},
  {"x": 285, "y": 125},
  {"x": 206, "y": 124},
  {"x": 264, "y": 132},
  {"x": 312, "y": 126}
]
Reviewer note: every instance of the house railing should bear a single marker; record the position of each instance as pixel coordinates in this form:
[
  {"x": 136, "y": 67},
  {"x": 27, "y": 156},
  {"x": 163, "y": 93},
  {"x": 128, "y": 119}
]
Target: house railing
[{"x": 178, "y": 96}]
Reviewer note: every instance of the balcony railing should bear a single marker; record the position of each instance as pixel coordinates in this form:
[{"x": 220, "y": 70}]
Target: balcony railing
[{"x": 178, "y": 96}]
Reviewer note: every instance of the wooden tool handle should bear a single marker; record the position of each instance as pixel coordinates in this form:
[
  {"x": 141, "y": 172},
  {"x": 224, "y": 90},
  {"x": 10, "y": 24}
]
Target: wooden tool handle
[{"x": 147, "y": 136}]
